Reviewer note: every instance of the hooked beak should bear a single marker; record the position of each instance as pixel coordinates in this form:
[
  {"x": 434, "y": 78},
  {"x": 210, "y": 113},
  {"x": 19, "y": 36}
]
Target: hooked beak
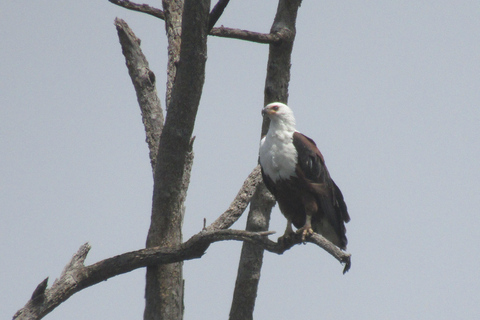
[{"x": 266, "y": 111}]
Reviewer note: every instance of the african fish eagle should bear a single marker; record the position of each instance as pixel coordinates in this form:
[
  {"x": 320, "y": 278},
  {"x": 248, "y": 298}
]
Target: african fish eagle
[{"x": 294, "y": 171}]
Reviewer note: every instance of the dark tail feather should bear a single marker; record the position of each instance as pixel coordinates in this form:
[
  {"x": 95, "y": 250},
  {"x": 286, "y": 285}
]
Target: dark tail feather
[
  {"x": 332, "y": 222},
  {"x": 341, "y": 203}
]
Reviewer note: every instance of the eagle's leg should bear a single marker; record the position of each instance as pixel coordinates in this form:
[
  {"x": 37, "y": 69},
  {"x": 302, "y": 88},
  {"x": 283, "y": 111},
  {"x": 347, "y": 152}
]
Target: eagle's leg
[
  {"x": 311, "y": 207},
  {"x": 306, "y": 230}
]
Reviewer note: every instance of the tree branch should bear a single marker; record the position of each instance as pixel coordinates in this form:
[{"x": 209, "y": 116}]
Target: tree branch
[
  {"x": 143, "y": 80},
  {"x": 145, "y": 8},
  {"x": 240, "y": 203},
  {"x": 76, "y": 276},
  {"x": 216, "y": 13},
  {"x": 246, "y": 35}
]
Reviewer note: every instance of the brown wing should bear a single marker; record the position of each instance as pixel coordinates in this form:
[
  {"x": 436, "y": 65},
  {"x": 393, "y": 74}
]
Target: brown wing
[
  {"x": 332, "y": 211},
  {"x": 269, "y": 183}
]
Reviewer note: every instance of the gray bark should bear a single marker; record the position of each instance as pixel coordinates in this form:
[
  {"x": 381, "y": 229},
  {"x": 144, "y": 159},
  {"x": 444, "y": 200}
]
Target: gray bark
[
  {"x": 173, "y": 12},
  {"x": 251, "y": 258},
  {"x": 143, "y": 80},
  {"x": 164, "y": 288}
]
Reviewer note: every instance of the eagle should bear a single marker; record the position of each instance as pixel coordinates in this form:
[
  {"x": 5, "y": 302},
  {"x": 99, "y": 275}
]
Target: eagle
[{"x": 294, "y": 171}]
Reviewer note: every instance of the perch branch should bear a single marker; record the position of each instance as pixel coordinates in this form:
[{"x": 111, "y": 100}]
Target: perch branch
[
  {"x": 145, "y": 8},
  {"x": 76, "y": 276}
]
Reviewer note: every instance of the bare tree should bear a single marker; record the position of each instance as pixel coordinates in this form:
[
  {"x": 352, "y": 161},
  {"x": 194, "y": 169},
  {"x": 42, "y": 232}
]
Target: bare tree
[{"x": 188, "y": 24}]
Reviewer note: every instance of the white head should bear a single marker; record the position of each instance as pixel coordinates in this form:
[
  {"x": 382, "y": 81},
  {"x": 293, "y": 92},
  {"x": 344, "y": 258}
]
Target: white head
[
  {"x": 280, "y": 115},
  {"x": 278, "y": 155}
]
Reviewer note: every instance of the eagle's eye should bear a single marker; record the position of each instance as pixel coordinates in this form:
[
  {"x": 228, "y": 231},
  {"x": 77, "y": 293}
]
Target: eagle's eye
[{"x": 275, "y": 108}]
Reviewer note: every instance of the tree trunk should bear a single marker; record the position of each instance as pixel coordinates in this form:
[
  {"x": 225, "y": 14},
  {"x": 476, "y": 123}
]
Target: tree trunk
[
  {"x": 276, "y": 89},
  {"x": 164, "y": 288}
]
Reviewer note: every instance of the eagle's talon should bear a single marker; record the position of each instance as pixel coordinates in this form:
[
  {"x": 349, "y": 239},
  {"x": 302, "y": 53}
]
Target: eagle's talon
[{"x": 305, "y": 232}]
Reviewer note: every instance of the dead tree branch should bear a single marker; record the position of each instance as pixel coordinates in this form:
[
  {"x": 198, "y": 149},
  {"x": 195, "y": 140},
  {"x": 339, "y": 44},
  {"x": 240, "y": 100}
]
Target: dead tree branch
[
  {"x": 216, "y": 13},
  {"x": 143, "y": 80},
  {"x": 245, "y": 35},
  {"x": 76, "y": 276},
  {"x": 145, "y": 8},
  {"x": 240, "y": 203}
]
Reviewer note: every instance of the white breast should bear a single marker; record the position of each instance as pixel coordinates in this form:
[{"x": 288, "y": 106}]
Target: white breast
[{"x": 278, "y": 156}]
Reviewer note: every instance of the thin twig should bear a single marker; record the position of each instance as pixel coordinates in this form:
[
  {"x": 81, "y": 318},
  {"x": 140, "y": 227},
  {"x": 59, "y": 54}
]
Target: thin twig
[
  {"x": 222, "y": 31},
  {"x": 145, "y": 8}
]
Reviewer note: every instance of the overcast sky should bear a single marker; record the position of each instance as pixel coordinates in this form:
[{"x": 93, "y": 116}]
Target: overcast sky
[{"x": 390, "y": 91}]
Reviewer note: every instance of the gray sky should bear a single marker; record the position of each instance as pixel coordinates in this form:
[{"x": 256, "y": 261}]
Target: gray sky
[{"x": 390, "y": 91}]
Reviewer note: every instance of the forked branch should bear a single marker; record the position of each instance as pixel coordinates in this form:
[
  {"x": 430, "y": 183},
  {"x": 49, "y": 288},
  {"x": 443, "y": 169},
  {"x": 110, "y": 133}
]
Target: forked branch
[
  {"x": 222, "y": 31},
  {"x": 216, "y": 13}
]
